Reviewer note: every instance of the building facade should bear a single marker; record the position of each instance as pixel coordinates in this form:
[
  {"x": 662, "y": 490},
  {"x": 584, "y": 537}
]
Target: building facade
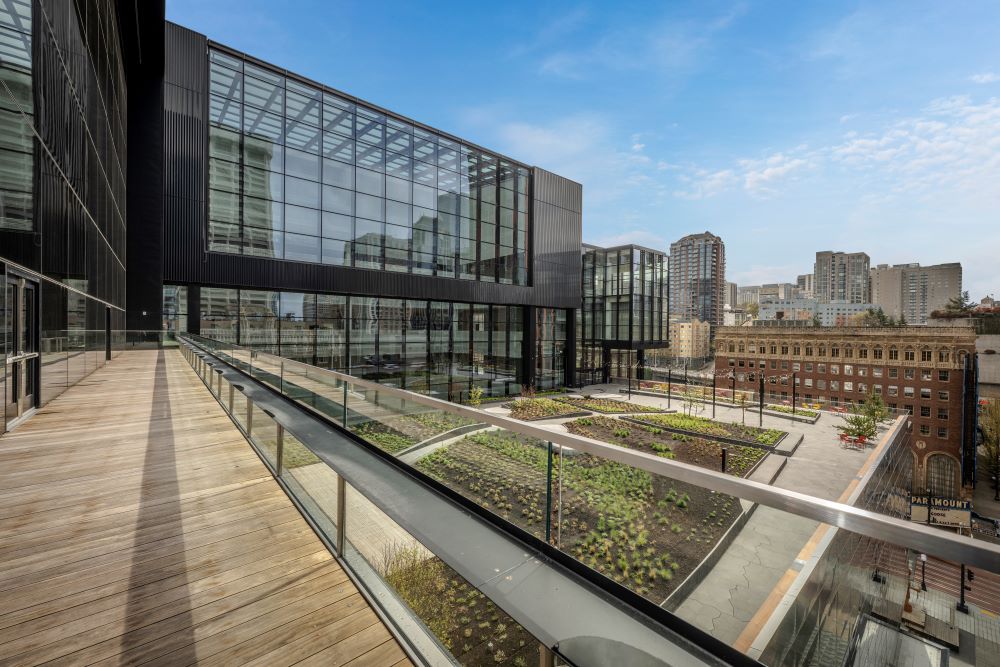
[
  {"x": 623, "y": 324},
  {"x": 841, "y": 276},
  {"x": 322, "y": 228},
  {"x": 731, "y": 295},
  {"x": 831, "y": 314},
  {"x": 698, "y": 278},
  {"x": 804, "y": 283},
  {"x": 65, "y": 104},
  {"x": 747, "y": 294},
  {"x": 690, "y": 343},
  {"x": 912, "y": 292},
  {"x": 927, "y": 373}
]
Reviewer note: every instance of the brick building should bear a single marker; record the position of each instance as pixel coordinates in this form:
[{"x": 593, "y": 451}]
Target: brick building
[{"x": 916, "y": 370}]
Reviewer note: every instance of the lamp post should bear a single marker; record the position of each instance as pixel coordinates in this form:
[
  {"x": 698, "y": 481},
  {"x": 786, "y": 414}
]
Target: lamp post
[
  {"x": 760, "y": 400},
  {"x": 923, "y": 572},
  {"x": 670, "y": 384},
  {"x": 793, "y": 394},
  {"x": 713, "y": 397}
]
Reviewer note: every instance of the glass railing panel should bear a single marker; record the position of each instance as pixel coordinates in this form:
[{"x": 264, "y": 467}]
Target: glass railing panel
[
  {"x": 264, "y": 433},
  {"x": 468, "y": 626},
  {"x": 312, "y": 481},
  {"x": 240, "y": 407},
  {"x": 314, "y": 388}
]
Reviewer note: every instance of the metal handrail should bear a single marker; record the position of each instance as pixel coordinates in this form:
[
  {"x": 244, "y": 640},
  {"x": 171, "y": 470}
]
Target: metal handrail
[{"x": 926, "y": 539}]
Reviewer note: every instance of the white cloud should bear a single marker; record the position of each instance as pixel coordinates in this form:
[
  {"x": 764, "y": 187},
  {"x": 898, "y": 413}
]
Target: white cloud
[
  {"x": 985, "y": 77},
  {"x": 637, "y": 147},
  {"x": 636, "y": 236}
]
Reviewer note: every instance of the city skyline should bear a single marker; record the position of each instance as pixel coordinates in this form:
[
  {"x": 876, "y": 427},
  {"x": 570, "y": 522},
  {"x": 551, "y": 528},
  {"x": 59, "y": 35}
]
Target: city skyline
[{"x": 743, "y": 119}]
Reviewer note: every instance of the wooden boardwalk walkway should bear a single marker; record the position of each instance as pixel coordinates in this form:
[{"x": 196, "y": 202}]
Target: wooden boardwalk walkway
[{"x": 137, "y": 526}]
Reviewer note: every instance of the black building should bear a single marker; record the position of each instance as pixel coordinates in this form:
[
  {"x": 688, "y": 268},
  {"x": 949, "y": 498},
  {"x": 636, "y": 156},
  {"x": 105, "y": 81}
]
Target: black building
[
  {"x": 623, "y": 323},
  {"x": 243, "y": 202},
  {"x": 65, "y": 155}
]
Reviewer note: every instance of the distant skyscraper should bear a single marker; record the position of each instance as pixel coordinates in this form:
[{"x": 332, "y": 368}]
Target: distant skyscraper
[
  {"x": 747, "y": 294},
  {"x": 730, "y": 299},
  {"x": 841, "y": 276},
  {"x": 698, "y": 278},
  {"x": 913, "y": 291},
  {"x": 805, "y": 285}
]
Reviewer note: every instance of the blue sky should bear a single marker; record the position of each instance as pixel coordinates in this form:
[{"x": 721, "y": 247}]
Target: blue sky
[{"x": 784, "y": 127}]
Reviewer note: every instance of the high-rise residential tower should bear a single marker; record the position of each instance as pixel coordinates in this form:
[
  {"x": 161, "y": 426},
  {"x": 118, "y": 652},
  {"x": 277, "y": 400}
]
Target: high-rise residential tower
[
  {"x": 698, "y": 278},
  {"x": 841, "y": 276},
  {"x": 912, "y": 291},
  {"x": 805, "y": 285}
]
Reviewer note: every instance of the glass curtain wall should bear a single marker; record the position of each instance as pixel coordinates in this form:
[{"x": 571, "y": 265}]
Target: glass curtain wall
[
  {"x": 624, "y": 308},
  {"x": 433, "y": 347},
  {"x": 299, "y": 173},
  {"x": 62, "y": 153}
]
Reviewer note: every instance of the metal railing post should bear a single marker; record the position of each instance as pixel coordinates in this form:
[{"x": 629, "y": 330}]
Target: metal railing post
[
  {"x": 548, "y": 495},
  {"x": 231, "y": 391},
  {"x": 281, "y": 450},
  {"x": 341, "y": 514},
  {"x": 249, "y": 416},
  {"x": 345, "y": 405},
  {"x": 546, "y": 658}
]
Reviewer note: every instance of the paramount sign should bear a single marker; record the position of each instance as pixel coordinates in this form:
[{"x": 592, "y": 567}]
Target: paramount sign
[{"x": 943, "y": 511}]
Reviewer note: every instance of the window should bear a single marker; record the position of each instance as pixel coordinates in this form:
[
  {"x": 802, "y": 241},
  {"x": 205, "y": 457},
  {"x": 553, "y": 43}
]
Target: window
[
  {"x": 943, "y": 395},
  {"x": 863, "y": 353},
  {"x": 925, "y": 411},
  {"x": 908, "y": 355},
  {"x": 925, "y": 355},
  {"x": 893, "y": 373},
  {"x": 834, "y": 385},
  {"x": 925, "y": 375},
  {"x": 848, "y": 369},
  {"x": 834, "y": 351},
  {"x": 877, "y": 353},
  {"x": 893, "y": 354},
  {"x": 848, "y": 386},
  {"x": 809, "y": 350},
  {"x": 942, "y": 413},
  {"x": 809, "y": 382},
  {"x": 877, "y": 372},
  {"x": 862, "y": 388},
  {"x": 925, "y": 393},
  {"x": 908, "y": 373},
  {"x": 796, "y": 366},
  {"x": 784, "y": 349},
  {"x": 821, "y": 384},
  {"x": 943, "y": 432},
  {"x": 943, "y": 376},
  {"x": 820, "y": 368},
  {"x": 944, "y": 356},
  {"x": 834, "y": 369},
  {"x": 796, "y": 350},
  {"x": 908, "y": 392},
  {"x": 809, "y": 368},
  {"x": 925, "y": 429},
  {"x": 893, "y": 390},
  {"x": 877, "y": 389}
]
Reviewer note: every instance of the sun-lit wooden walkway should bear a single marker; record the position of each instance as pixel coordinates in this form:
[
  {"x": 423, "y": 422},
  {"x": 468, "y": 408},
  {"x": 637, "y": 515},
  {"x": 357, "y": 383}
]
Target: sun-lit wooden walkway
[{"x": 137, "y": 526}]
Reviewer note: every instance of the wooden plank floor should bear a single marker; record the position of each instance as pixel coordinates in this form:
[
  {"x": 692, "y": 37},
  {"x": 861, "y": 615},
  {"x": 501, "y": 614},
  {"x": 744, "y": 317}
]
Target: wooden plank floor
[{"x": 138, "y": 527}]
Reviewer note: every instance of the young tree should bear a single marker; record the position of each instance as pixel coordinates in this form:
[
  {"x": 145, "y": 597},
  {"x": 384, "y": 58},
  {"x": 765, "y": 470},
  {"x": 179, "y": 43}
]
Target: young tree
[
  {"x": 989, "y": 451},
  {"x": 959, "y": 305},
  {"x": 744, "y": 404},
  {"x": 902, "y": 321},
  {"x": 753, "y": 309},
  {"x": 875, "y": 409}
]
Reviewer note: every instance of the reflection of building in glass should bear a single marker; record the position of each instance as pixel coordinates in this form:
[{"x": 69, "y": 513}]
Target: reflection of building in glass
[
  {"x": 347, "y": 236},
  {"x": 623, "y": 321}
]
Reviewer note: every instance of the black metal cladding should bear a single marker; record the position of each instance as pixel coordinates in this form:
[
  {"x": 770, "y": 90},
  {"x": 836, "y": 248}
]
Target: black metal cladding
[{"x": 555, "y": 243}]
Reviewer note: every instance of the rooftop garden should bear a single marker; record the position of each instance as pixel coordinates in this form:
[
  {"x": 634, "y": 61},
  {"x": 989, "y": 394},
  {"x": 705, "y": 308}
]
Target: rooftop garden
[
  {"x": 532, "y": 409},
  {"x": 608, "y": 406},
  {"x": 710, "y": 427}
]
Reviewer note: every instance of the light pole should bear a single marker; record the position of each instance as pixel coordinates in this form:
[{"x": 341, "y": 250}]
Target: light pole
[
  {"x": 670, "y": 384},
  {"x": 760, "y": 400},
  {"x": 923, "y": 572},
  {"x": 713, "y": 398},
  {"x": 793, "y": 394}
]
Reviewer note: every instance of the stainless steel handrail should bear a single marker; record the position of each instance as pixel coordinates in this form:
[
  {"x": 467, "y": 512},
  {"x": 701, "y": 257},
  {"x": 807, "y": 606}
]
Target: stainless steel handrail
[{"x": 932, "y": 541}]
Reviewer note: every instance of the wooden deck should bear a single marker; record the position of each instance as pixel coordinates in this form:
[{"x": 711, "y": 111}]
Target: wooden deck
[{"x": 138, "y": 526}]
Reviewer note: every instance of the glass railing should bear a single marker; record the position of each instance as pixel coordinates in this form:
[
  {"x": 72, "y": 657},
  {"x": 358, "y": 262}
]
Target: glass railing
[{"x": 654, "y": 508}]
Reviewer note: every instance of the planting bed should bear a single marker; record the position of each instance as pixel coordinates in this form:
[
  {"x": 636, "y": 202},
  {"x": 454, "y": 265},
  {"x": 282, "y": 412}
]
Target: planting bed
[
  {"x": 395, "y": 434},
  {"x": 646, "y": 532},
  {"x": 608, "y": 406},
  {"x": 788, "y": 410},
  {"x": 532, "y": 409},
  {"x": 684, "y": 448},
  {"x": 474, "y": 629},
  {"x": 762, "y": 436}
]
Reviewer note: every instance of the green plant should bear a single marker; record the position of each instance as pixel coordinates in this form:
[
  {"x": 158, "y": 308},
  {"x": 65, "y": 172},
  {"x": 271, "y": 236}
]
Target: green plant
[{"x": 476, "y": 396}]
